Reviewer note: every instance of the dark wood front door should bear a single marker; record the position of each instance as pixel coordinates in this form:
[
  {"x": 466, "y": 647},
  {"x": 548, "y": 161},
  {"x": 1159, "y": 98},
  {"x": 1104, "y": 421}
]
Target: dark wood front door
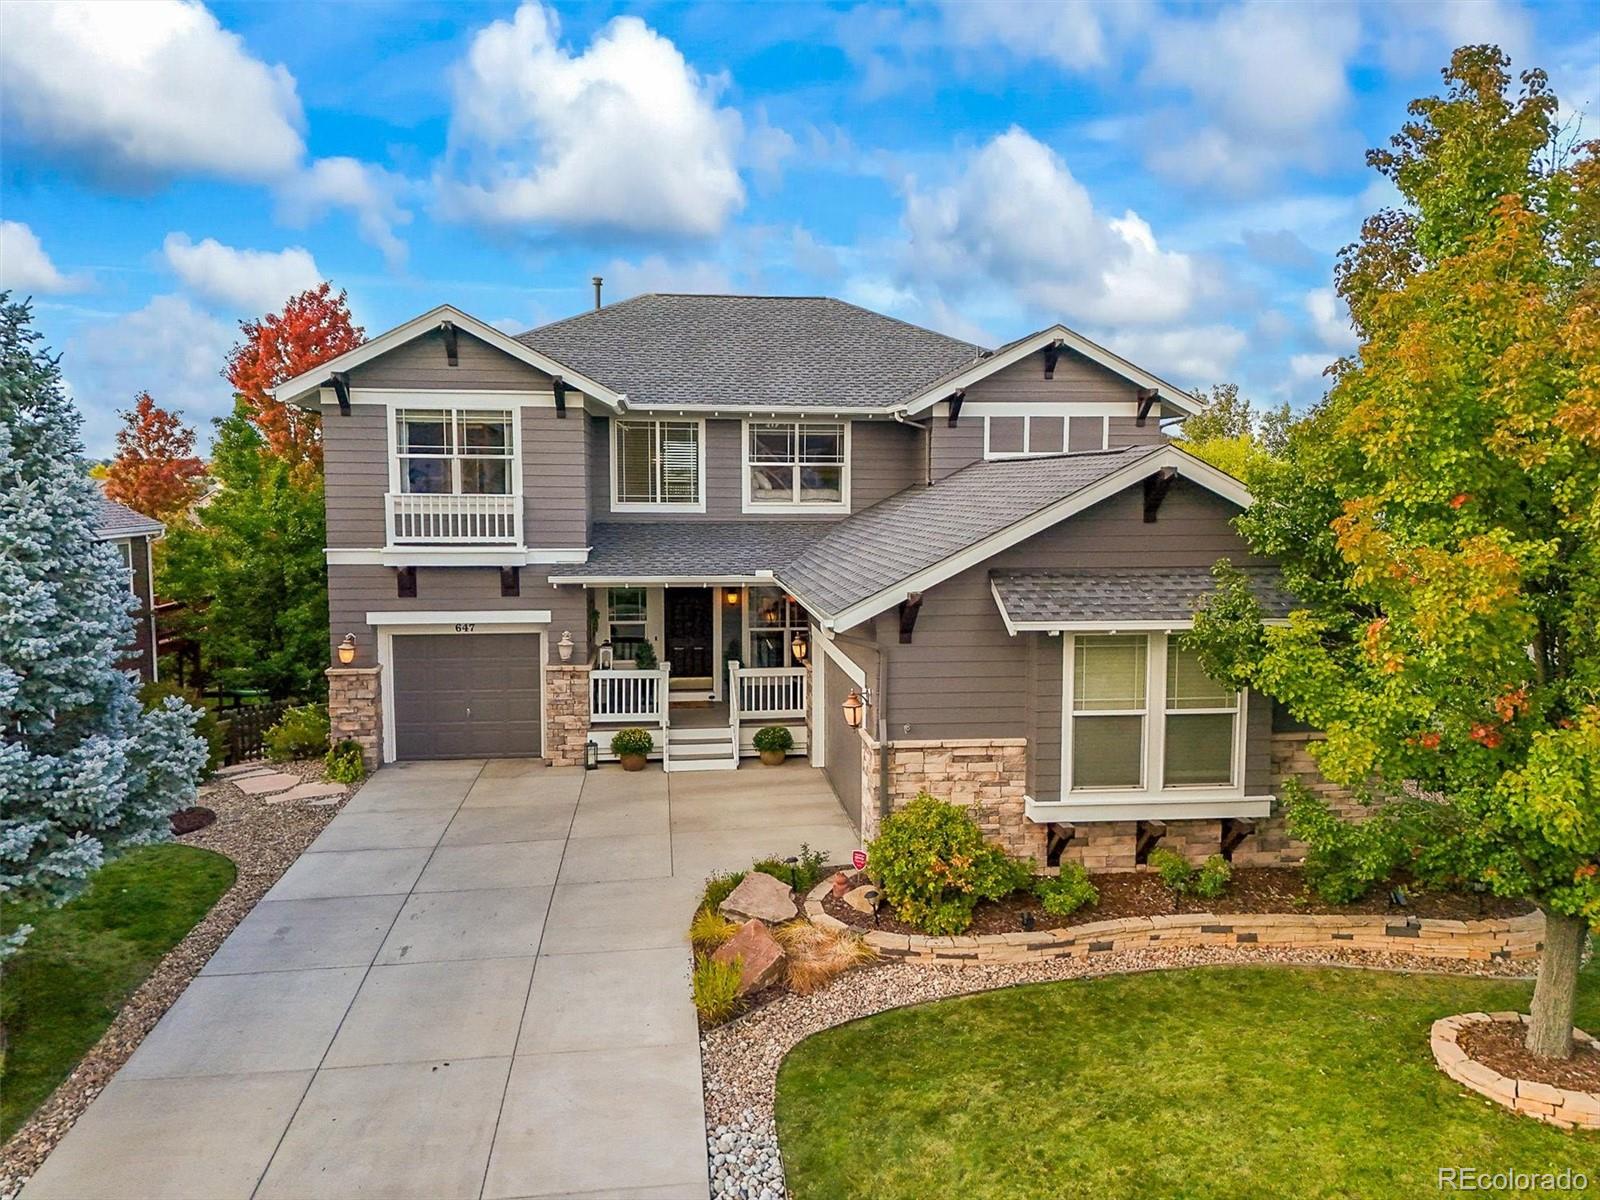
[{"x": 688, "y": 622}]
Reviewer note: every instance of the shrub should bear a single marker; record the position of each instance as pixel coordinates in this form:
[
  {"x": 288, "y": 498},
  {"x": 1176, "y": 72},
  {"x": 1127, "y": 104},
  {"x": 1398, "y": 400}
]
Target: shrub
[
  {"x": 710, "y": 929},
  {"x": 719, "y": 887},
  {"x": 302, "y": 732},
  {"x": 774, "y": 738},
  {"x": 153, "y": 694},
  {"x": 1173, "y": 868},
  {"x": 1213, "y": 877},
  {"x": 1345, "y": 859},
  {"x": 815, "y": 956},
  {"x": 803, "y": 874},
  {"x": 632, "y": 741},
  {"x": 1207, "y": 881},
  {"x": 933, "y": 866},
  {"x": 1067, "y": 892},
  {"x": 344, "y": 763},
  {"x": 716, "y": 988},
  {"x": 644, "y": 657}
]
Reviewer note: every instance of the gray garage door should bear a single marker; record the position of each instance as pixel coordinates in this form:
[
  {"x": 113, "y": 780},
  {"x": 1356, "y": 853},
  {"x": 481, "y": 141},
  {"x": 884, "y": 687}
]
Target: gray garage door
[
  {"x": 842, "y": 749},
  {"x": 468, "y": 695}
]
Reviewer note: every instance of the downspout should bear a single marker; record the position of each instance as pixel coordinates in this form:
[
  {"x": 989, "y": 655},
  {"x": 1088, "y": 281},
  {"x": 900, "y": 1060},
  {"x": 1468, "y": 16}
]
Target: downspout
[{"x": 927, "y": 443}]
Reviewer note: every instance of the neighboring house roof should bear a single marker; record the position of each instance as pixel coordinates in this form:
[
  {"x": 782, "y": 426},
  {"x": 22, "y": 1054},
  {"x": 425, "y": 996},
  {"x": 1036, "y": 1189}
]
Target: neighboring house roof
[
  {"x": 116, "y": 520},
  {"x": 1134, "y": 598},
  {"x": 752, "y": 352},
  {"x": 654, "y": 551},
  {"x": 917, "y": 538}
]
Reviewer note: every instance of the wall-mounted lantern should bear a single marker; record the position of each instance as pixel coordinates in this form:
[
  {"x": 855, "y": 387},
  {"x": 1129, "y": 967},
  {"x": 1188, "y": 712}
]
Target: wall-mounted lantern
[
  {"x": 347, "y": 649},
  {"x": 854, "y": 705},
  {"x": 564, "y": 646},
  {"x": 732, "y": 596},
  {"x": 798, "y": 647}
]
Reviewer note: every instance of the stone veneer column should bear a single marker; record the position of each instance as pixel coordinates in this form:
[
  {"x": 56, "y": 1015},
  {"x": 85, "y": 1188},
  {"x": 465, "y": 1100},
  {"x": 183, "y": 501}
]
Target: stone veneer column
[
  {"x": 355, "y": 710},
  {"x": 566, "y": 713},
  {"x": 987, "y": 776}
]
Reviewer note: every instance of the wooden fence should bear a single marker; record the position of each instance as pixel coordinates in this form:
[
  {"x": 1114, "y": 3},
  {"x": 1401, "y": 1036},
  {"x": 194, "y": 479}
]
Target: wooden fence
[{"x": 247, "y": 728}]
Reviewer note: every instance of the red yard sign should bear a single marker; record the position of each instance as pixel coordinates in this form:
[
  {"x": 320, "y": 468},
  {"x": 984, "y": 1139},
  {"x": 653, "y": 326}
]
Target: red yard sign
[{"x": 858, "y": 859}]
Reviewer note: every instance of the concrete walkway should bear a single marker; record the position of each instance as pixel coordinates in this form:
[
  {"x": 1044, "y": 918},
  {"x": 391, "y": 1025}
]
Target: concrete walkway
[{"x": 474, "y": 984}]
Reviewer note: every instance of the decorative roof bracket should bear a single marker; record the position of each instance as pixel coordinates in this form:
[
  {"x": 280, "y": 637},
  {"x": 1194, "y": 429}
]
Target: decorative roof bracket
[
  {"x": 909, "y": 608},
  {"x": 449, "y": 330},
  {"x": 1051, "y": 353},
  {"x": 341, "y": 389},
  {"x": 1156, "y": 488},
  {"x": 957, "y": 399},
  {"x": 1147, "y": 401},
  {"x": 561, "y": 396}
]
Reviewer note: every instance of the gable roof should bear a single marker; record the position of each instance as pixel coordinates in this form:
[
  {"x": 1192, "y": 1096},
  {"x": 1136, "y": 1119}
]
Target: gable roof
[
  {"x": 1132, "y": 597},
  {"x": 298, "y": 389},
  {"x": 751, "y": 353},
  {"x": 871, "y": 561},
  {"x": 116, "y": 520},
  {"x": 688, "y": 550}
]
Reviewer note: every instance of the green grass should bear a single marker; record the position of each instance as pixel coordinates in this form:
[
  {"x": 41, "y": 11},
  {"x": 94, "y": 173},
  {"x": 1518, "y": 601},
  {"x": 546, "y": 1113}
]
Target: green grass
[
  {"x": 83, "y": 960},
  {"x": 1219, "y": 1082}
]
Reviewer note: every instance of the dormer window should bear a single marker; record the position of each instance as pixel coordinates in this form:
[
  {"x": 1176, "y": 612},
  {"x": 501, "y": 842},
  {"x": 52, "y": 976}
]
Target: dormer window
[{"x": 796, "y": 465}]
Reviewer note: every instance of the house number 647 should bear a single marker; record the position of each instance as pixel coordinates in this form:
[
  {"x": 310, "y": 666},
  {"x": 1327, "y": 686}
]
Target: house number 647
[{"x": 465, "y": 628}]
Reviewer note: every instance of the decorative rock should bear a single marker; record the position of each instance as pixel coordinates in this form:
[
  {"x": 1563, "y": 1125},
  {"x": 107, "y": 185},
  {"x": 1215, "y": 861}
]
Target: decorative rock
[
  {"x": 310, "y": 791},
  {"x": 839, "y": 884},
  {"x": 761, "y": 897},
  {"x": 864, "y": 899},
  {"x": 265, "y": 785},
  {"x": 760, "y": 958}
]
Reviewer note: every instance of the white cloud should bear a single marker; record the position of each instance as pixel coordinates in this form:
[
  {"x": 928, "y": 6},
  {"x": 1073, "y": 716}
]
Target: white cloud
[
  {"x": 1016, "y": 217},
  {"x": 26, "y": 268},
  {"x": 1330, "y": 320},
  {"x": 170, "y": 348},
  {"x": 1306, "y": 367},
  {"x": 655, "y": 273},
  {"x": 248, "y": 282},
  {"x": 625, "y": 137},
  {"x": 1077, "y": 36},
  {"x": 145, "y": 89},
  {"x": 1415, "y": 36},
  {"x": 1191, "y": 357},
  {"x": 370, "y": 193}
]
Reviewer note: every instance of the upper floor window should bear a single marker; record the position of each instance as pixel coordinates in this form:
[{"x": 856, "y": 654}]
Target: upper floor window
[
  {"x": 658, "y": 464},
  {"x": 125, "y": 552},
  {"x": 455, "y": 452},
  {"x": 796, "y": 464},
  {"x": 1026, "y": 436}
]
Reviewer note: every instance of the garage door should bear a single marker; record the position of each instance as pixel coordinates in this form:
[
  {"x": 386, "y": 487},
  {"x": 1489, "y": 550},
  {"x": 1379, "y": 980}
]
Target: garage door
[
  {"x": 842, "y": 762},
  {"x": 469, "y": 695}
]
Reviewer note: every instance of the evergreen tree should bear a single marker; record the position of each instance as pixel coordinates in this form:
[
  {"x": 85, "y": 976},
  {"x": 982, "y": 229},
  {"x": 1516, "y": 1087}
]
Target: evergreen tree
[{"x": 85, "y": 773}]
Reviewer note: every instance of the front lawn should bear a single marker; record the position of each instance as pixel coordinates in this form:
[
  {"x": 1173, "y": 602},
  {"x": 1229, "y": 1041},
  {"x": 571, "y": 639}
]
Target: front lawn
[
  {"x": 1212, "y": 1082},
  {"x": 82, "y": 961}
]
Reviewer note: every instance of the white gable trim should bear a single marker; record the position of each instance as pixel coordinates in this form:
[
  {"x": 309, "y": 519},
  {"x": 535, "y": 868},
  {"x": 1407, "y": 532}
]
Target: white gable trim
[
  {"x": 1186, "y": 464},
  {"x": 300, "y": 386},
  {"x": 1093, "y": 351}
]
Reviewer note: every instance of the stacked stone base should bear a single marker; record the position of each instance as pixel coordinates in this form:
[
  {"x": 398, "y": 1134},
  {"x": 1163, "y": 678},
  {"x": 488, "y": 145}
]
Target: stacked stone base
[
  {"x": 566, "y": 713},
  {"x": 355, "y": 710},
  {"x": 986, "y": 776},
  {"x": 1552, "y": 1105}
]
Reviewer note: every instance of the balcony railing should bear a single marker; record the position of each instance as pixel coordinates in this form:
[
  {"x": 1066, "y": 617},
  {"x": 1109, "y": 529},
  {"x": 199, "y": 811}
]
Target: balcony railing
[
  {"x": 420, "y": 518},
  {"x": 628, "y": 696},
  {"x": 756, "y": 693}
]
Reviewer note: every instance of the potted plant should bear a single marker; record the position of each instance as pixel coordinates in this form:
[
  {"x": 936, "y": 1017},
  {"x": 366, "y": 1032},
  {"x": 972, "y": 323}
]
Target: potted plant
[
  {"x": 631, "y": 746},
  {"x": 774, "y": 743},
  {"x": 644, "y": 657}
]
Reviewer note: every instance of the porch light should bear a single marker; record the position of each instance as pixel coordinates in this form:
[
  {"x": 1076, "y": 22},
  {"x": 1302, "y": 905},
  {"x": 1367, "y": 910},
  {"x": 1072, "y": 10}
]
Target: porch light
[
  {"x": 347, "y": 649},
  {"x": 564, "y": 646},
  {"x": 798, "y": 647},
  {"x": 853, "y": 704},
  {"x": 732, "y": 596}
]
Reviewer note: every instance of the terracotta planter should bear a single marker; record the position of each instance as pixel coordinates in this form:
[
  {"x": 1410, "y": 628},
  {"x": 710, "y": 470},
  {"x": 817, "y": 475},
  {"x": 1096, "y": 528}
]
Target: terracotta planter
[
  {"x": 773, "y": 758},
  {"x": 632, "y": 762}
]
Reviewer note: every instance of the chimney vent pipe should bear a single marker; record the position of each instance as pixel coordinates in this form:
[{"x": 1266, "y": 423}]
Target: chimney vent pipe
[{"x": 597, "y": 280}]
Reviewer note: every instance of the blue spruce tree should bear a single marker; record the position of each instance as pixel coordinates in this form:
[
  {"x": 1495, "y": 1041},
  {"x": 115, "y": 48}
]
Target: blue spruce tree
[{"x": 85, "y": 773}]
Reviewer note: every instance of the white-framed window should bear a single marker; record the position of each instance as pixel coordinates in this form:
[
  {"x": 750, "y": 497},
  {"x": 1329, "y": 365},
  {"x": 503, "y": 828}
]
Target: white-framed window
[
  {"x": 796, "y": 464},
  {"x": 658, "y": 465},
  {"x": 456, "y": 452},
  {"x": 1142, "y": 716},
  {"x": 626, "y": 614},
  {"x": 1028, "y": 436},
  {"x": 125, "y": 552},
  {"x": 773, "y": 618}
]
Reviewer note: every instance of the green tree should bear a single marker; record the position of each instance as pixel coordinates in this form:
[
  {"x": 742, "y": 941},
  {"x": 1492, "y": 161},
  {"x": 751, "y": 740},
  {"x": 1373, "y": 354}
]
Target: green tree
[
  {"x": 252, "y": 571},
  {"x": 1232, "y": 436},
  {"x": 1439, "y": 514}
]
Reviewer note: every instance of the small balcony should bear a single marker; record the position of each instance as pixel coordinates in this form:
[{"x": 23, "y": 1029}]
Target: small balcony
[{"x": 419, "y": 519}]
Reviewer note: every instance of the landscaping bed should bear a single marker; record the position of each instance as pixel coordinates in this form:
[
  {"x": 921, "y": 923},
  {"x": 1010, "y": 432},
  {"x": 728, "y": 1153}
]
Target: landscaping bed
[
  {"x": 1500, "y": 1045},
  {"x": 1259, "y": 890}
]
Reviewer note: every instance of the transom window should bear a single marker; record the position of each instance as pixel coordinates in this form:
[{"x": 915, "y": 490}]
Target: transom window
[
  {"x": 774, "y": 619},
  {"x": 1117, "y": 682},
  {"x": 795, "y": 463},
  {"x": 455, "y": 452},
  {"x": 625, "y": 619},
  {"x": 657, "y": 463},
  {"x": 1029, "y": 436}
]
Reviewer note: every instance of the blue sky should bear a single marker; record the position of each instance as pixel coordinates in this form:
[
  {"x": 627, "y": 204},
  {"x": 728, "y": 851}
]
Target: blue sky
[{"x": 1172, "y": 180}]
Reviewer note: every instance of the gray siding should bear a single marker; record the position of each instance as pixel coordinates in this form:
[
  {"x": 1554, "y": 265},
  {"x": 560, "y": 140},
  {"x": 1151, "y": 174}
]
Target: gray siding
[
  {"x": 355, "y": 457},
  {"x": 420, "y": 364},
  {"x": 554, "y": 510},
  {"x": 842, "y": 759}
]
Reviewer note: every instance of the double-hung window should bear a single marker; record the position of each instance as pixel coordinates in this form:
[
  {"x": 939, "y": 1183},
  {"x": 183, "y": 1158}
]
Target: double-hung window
[
  {"x": 775, "y": 618},
  {"x": 625, "y": 619},
  {"x": 657, "y": 464},
  {"x": 1201, "y": 720},
  {"x": 455, "y": 452},
  {"x": 795, "y": 464},
  {"x": 1109, "y": 711}
]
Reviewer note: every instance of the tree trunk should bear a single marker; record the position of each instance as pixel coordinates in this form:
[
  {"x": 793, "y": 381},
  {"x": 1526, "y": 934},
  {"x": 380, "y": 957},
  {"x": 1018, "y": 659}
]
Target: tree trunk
[{"x": 1555, "y": 993}]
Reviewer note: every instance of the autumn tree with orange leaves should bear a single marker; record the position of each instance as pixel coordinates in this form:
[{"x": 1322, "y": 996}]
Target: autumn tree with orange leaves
[
  {"x": 1439, "y": 518},
  {"x": 156, "y": 470},
  {"x": 312, "y": 328}
]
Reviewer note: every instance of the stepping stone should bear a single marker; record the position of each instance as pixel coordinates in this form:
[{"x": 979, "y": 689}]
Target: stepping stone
[
  {"x": 325, "y": 803},
  {"x": 265, "y": 785},
  {"x": 239, "y": 769},
  {"x": 310, "y": 791},
  {"x": 761, "y": 897}
]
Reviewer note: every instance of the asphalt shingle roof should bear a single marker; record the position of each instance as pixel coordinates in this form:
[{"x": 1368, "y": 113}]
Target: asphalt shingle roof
[
  {"x": 117, "y": 520},
  {"x": 915, "y": 529},
  {"x": 690, "y": 549},
  {"x": 759, "y": 351},
  {"x": 1133, "y": 594}
]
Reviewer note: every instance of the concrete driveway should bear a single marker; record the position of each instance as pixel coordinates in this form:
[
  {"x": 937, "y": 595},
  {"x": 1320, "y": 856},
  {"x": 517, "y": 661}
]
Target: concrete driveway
[{"x": 474, "y": 984}]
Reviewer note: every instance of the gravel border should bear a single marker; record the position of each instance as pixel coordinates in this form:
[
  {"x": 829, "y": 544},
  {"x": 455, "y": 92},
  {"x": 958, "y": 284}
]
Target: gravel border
[
  {"x": 263, "y": 839},
  {"x": 740, "y": 1060}
]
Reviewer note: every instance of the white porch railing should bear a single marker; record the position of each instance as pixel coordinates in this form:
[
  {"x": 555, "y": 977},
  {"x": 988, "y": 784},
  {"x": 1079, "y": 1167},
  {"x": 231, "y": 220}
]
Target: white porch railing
[
  {"x": 628, "y": 697},
  {"x": 756, "y": 693},
  {"x": 420, "y": 517}
]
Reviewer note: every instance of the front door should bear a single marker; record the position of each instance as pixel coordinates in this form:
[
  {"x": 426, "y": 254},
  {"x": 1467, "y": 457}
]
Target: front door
[{"x": 688, "y": 625}]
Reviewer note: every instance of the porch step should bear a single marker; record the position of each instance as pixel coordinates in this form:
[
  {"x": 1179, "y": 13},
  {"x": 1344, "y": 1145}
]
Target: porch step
[
  {"x": 706, "y": 733},
  {"x": 708, "y": 748}
]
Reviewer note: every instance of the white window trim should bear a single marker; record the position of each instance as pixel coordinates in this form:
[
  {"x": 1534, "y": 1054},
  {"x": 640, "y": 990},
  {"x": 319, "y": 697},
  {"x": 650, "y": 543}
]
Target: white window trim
[
  {"x": 455, "y": 408},
  {"x": 754, "y": 507},
  {"x": 699, "y": 506},
  {"x": 1027, "y": 435},
  {"x": 1155, "y": 699}
]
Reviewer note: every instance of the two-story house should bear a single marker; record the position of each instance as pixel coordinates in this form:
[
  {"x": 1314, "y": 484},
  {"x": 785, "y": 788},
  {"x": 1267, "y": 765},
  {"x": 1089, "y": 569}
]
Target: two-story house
[
  {"x": 133, "y": 534},
  {"x": 943, "y": 566}
]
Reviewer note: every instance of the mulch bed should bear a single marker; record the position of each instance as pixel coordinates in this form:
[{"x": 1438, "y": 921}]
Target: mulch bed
[
  {"x": 192, "y": 820},
  {"x": 1142, "y": 894},
  {"x": 1499, "y": 1045},
  {"x": 263, "y": 840}
]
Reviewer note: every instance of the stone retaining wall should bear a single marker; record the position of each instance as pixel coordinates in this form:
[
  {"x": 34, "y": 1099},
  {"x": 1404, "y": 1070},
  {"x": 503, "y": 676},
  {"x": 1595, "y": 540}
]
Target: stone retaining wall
[
  {"x": 1552, "y": 1105},
  {"x": 1514, "y": 938}
]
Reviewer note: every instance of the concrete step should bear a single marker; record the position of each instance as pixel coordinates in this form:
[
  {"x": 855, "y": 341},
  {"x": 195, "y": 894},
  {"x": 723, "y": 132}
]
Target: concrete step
[
  {"x": 703, "y": 733},
  {"x": 696, "y": 750},
  {"x": 675, "y": 764}
]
